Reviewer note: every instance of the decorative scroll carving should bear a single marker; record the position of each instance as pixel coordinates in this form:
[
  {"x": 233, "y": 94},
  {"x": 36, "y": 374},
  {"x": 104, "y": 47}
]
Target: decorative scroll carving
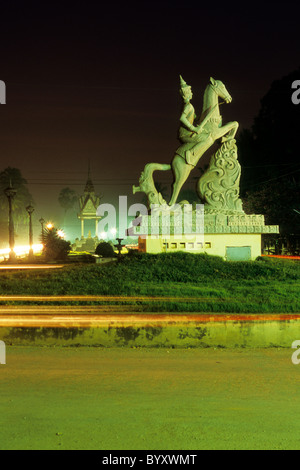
[{"x": 219, "y": 187}]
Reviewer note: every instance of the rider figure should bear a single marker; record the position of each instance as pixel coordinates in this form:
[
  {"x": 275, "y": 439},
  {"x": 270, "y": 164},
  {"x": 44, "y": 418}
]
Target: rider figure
[{"x": 188, "y": 133}]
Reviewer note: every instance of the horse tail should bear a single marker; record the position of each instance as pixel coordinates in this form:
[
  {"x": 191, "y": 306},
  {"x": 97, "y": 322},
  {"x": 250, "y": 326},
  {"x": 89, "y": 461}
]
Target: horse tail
[{"x": 157, "y": 166}]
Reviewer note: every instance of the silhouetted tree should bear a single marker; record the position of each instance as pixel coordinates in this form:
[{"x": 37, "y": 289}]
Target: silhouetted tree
[
  {"x": 279, "y": 204},
  {"x": 269, "y": 155},
  {"x": 67, "y": 199},
  {"x": 269, "y": 151},
  {"x": 22, "y": 199}
]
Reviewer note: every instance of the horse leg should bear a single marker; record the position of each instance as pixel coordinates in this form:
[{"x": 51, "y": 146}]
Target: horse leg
[
  {"x": 181, "y": 171},
  {"x": 227, "y": 132}
]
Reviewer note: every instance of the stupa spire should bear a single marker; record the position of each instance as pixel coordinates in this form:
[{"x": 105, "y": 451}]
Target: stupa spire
[{"x": 89, "y": 187}]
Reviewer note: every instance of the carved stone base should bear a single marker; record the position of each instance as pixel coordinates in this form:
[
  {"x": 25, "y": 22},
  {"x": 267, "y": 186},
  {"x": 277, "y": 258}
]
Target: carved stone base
[
  {"x": 197, "y": 222},
  {"x": 233, "y": 237},
  {"x": 237, "y": 223},
  {"x": 231, "y": 247}
]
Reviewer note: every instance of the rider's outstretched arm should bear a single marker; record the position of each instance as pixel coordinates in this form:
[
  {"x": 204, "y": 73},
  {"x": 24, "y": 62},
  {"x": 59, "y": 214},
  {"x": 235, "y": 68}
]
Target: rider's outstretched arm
[{"x": 200, "y": 127}]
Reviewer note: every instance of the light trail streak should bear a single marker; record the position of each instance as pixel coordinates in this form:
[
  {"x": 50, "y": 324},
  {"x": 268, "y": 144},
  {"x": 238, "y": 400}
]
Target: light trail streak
[
  {"x": 29, "y": 266},
  {"x": 138, "y": 320}
]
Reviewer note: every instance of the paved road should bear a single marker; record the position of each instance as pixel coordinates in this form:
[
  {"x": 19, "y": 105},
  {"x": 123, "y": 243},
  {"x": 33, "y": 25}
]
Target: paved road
[{"x": 158, "y": 399}]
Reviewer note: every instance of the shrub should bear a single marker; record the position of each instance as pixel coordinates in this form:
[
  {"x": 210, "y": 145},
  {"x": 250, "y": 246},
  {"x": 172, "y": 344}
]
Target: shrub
[
  {"x": 55, "y": 248},
  {"x": 105, "y": 249}
]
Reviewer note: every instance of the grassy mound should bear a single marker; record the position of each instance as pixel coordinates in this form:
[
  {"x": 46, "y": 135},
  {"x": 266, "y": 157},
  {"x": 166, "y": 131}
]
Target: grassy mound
[{"x": 265, "y": 285}]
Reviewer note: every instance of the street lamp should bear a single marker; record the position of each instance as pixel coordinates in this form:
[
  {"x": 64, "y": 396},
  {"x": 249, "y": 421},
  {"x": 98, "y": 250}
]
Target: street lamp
[
  {"x": 10, "y": 193},
  {"x": 30, "y": 211},
  {"x": 119, "y": 247}
]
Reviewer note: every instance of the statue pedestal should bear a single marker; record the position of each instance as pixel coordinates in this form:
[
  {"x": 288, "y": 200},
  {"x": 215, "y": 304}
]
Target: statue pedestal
[{"x": 233, "y": 236}]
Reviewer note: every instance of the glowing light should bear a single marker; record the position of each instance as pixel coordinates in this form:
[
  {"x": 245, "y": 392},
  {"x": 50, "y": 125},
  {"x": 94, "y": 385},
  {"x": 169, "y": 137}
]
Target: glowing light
[
  {"x": 123, "y": 251},
  {"x": 113, "y": 231},
  {"x": 61, "y": 233},
  {"x": 49, "y": 226},
  {"x": 22, "y": 250},
  {"x": 103, "y": 235}
]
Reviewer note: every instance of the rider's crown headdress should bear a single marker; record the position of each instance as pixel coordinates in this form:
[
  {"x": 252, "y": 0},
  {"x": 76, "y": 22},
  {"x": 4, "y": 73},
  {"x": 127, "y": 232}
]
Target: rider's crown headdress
[{"x": 183, "y": 84}]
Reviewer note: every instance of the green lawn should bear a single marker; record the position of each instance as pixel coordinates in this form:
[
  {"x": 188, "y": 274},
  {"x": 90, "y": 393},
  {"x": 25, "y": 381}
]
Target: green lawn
[{"x": 262, "y": 286}]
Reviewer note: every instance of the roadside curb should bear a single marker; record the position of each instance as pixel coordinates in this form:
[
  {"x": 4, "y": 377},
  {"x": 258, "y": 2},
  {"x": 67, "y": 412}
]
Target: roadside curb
[{"x": 152, "y": 330}]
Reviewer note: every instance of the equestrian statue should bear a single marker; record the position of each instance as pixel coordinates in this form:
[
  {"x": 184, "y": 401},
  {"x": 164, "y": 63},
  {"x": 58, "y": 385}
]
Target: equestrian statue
[{"x": 195, "y": 137}]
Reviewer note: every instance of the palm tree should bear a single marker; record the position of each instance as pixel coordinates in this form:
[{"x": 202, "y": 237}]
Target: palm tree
[
  {"x": 67, "y": 199},
  {"x": 23, "y": 197}
]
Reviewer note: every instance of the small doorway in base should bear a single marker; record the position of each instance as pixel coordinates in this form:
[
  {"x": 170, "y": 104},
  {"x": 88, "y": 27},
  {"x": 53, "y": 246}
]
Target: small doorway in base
[{"x": 238, "y": 253}]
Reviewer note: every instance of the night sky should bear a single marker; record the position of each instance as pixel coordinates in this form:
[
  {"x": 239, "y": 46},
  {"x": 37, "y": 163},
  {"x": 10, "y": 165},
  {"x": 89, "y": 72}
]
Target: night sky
[{"x": 100, "y": 83}]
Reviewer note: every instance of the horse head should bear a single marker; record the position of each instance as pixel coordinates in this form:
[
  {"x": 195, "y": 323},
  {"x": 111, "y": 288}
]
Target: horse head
[{"x": 220, "y": 89}]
